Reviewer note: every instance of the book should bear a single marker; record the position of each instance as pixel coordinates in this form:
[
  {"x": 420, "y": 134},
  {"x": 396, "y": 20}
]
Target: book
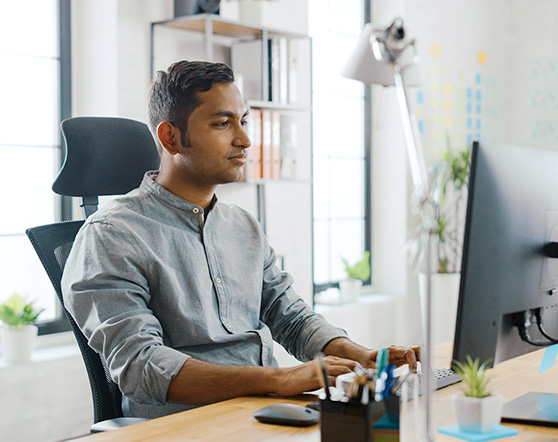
[
  {"x": 267, "y": 127},
  {"x": 275, "y": 145},
  {"x": 499, "y": 434},
  {"x": 254, "y": 160},
  {"x": 246, "y": 62}
]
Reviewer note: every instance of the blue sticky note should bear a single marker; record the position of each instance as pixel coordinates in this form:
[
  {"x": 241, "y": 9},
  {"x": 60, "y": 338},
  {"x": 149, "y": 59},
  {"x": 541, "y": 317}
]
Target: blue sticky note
[
  {"x": 421, "y": 126},
  {"x": 478, "y": 79},
  {"x": 469, "y": 93},
  {"x": 469, "y": 123},
  {"x": 549, "y": 358},
  {"x": 469, "y": 139},
  {"x": 478, "y": 124},
  {"x": 479, "y": 95},
  {"x": 478, "y": 109},
  {"x": 469, "y": 107},
  {"x": 420, "y": 97},
  {"x": 500, "y": 432}
]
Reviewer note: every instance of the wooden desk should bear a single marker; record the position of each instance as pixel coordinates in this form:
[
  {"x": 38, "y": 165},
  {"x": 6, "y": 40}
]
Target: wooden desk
[{"x": 232, "y": 420}]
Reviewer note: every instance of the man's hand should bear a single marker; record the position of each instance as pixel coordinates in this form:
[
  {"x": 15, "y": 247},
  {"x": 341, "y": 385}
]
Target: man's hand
[
  {"x": 398, "y": 355},
  {"x": 304, "y": 377}
]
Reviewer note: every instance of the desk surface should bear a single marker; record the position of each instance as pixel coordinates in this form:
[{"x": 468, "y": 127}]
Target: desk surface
[{"x": 232, "y": 420}]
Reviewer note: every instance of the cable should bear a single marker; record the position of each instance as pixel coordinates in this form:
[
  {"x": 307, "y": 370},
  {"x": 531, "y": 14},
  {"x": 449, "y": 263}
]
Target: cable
[
  {"x": 538, "y": 316},
  {"x": 522, "y": 321}
]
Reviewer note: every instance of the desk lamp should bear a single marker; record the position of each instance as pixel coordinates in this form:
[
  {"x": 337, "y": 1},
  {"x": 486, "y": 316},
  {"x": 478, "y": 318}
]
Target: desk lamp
[{"x": 386, "y": 57}]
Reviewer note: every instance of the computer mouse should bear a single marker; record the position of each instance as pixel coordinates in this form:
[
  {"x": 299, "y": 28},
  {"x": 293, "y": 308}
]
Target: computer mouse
[{"x": 287, "y": 414}]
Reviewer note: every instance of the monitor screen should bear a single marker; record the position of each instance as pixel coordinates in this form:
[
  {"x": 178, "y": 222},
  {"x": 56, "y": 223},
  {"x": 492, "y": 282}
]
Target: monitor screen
[{"x": 508, "y": 279}]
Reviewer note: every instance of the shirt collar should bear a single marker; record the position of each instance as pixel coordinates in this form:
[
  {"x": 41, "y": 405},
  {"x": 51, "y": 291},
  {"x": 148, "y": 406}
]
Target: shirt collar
[{"x": 152, "y": 187}]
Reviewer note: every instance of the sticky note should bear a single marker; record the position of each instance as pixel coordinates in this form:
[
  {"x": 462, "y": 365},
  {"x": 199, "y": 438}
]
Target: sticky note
[
  {"x": 420, "y": 97},
  {"x": 447, "y": 88},
  {"x": 435, "y": 50},
  {"x": 421, "y": 126},
  {"x": 478, "y": 79},
  {"x": 549, "y": 357},
  {"x": 447, "y": 105},
  {"x": 448, "y": 120},
  {"x": 482, "y": 57}
]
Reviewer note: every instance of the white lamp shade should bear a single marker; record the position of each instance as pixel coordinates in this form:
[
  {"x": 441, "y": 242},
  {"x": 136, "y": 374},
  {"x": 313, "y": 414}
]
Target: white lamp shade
[{"x": 363, "y": 66}]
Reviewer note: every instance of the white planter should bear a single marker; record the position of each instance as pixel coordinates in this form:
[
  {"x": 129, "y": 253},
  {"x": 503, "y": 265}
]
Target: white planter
[
  {"x": 477, "y": 414},
  {"x": 349, "y": 290},
  {"x": 18, "y": 342},
  {"x": 252, "y": 11},
  {"x": 445, "y": 295}
]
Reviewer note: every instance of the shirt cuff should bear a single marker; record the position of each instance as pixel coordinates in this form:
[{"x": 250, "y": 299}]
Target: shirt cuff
[{"x": 161, "y": 367}]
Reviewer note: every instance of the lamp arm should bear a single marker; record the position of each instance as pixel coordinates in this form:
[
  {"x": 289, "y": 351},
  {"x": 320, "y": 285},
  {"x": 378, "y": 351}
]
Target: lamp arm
[
  {"x": 428, "y": 207},
  {"x": 414, "y": 148}
]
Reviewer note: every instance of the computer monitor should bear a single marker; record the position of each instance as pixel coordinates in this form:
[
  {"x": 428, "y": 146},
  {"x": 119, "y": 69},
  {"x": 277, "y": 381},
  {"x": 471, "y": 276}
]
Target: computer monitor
[{"x": 508, "y": 275}]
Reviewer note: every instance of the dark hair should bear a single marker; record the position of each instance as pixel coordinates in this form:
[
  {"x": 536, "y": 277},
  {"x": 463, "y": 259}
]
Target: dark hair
[{"x": 173, "y": 94}]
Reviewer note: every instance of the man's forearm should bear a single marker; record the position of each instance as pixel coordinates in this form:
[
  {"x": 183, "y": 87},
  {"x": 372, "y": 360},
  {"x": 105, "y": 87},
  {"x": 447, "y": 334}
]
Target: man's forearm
[
  {"x": 345, "y": 348},
  {"x": 200, "y": 383}
]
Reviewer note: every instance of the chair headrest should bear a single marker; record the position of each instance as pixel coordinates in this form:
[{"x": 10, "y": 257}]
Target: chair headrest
[{"x": 104, "y": 156}]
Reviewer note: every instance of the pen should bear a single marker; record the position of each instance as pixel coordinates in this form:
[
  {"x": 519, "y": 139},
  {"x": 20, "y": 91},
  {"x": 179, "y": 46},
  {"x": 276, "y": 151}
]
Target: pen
[
  {"x": 323, "y": 374},
  {"x": 382, "y": 359}
]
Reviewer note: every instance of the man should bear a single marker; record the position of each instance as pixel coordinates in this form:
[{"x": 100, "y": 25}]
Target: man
[{"x": 181, "y": 293}]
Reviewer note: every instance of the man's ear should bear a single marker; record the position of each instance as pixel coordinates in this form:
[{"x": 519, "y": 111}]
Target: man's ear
[{"x": 169, "y": 137}]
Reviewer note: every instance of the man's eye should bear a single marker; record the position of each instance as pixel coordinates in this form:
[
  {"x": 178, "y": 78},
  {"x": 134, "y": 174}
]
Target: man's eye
[{"x": 244, "y": 123}]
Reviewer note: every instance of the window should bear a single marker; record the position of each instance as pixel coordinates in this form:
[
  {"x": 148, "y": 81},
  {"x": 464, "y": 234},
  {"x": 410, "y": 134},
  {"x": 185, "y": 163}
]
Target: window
[
  {"x": 34, "y": 42},
  {"x": 341, "y": 166}
]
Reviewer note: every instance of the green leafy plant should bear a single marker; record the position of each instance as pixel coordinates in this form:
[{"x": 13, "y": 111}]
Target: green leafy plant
[
  {"x": 474, "y": 376},
  {"x": 15, "y": 312},
  {"x": 361, "y": 270},
  {"x": 449, "y": 179}
]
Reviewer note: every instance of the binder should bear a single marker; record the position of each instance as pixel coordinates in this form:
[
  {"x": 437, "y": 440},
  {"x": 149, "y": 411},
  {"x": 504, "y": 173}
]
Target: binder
[
  {"x": 267, "y": 127},
  {"x": 254, "y": 160},
  {"x": 275, "y": 145}
]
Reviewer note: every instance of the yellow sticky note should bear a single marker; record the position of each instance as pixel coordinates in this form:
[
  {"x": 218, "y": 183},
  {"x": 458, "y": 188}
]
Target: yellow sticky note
[
  {"x": 447, "y": 88},
  {"x": 447, "y": 105},
  {"x": 436, "y": 50},
  {"x": 482, "y": 57},
  {"x": 419, "y": 111},
  {"x": 448, "y": 120}
]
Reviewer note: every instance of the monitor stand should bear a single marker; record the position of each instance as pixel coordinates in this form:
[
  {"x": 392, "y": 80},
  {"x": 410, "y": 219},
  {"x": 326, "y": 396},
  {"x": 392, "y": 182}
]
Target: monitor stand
[{"x": 533, "y": 408}]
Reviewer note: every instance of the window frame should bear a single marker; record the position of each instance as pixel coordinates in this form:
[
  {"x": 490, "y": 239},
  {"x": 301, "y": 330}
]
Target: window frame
[
  {"x": 60, "y": 323},
  {"x": 367, "y": 126}
]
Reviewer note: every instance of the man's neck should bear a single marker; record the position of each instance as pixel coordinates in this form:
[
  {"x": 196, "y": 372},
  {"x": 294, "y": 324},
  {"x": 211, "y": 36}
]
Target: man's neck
[{"x": 200, "y": 196}]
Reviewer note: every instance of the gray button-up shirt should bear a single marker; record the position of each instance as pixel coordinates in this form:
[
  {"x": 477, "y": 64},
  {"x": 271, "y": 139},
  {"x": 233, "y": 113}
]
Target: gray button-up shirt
[{"x": 152, "y": 280}]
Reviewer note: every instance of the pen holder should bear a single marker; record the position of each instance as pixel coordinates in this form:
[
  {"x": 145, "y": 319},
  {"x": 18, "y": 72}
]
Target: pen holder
[{"x": 357, "y": 422}]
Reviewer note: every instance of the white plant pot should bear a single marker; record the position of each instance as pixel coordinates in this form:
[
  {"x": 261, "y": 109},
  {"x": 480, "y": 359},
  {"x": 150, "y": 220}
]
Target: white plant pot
[
  {"x": 18, "y": 342},
  {"x": 445, "y": 295},
  {"x": 349, "y": 290},
  {"x": 477, "y": 414},
  {"x": 252, "y": 11}
]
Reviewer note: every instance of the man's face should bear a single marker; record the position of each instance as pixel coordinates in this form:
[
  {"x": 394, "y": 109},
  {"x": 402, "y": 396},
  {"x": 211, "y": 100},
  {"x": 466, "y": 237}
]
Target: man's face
[{"x": 215, "y": 142}]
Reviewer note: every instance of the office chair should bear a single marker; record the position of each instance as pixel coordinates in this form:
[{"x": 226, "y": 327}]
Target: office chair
[{"x": 104, "y": 156}]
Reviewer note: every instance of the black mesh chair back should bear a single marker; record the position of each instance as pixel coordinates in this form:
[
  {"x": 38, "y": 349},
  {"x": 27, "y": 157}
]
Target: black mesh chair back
[
  {"x": 53, "y": 243},
  {"x": 104, "y": 156}
]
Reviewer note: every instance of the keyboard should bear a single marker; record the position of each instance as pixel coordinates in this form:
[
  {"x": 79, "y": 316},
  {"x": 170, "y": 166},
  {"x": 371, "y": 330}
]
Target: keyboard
[{"x": 443, "y": 377}]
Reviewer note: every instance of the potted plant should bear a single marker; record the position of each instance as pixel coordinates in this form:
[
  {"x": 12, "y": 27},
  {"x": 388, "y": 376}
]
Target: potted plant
[
  {"x": 252, "y": 11},
  {"x": 449, "y": 179},
  {"x": 476, "y": 409},
  {"x": 349, "y": 288},
  {"x": 18, "y": 331}
]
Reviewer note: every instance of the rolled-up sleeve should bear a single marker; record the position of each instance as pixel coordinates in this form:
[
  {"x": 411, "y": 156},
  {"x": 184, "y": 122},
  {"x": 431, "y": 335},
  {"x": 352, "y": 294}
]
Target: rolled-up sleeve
[
  {"x": 108, "y": 295},
  {"x": 292, "y": 322}
]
